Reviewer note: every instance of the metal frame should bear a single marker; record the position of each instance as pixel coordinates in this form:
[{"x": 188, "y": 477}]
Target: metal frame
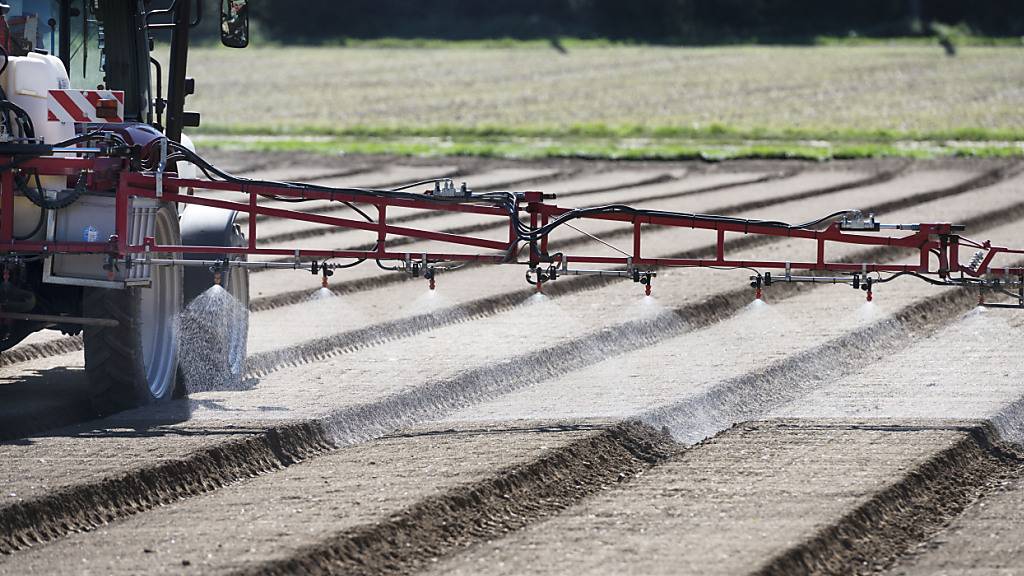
[{"x": 926, "y": 239}]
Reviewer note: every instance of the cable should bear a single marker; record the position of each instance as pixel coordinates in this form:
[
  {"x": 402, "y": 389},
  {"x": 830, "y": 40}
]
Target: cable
[
  {"x": 39, "y": 226},
  {"x": 508, "y": 202},
  {"x": 415, "y": 184},
  {"x": 892, "y": 277},
  {"x": 38, "y": 196}
]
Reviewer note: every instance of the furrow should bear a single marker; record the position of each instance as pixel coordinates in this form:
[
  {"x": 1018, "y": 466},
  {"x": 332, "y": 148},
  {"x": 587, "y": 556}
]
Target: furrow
[
  {"x": 87, "y": 506},
  {"x": 36, "y": 350},
  {"x": 507, "y": 500},
  {"x": 750, "y": 396},
  {"x": 912, "y": 509},
  {"x": 807, "y": 496}
]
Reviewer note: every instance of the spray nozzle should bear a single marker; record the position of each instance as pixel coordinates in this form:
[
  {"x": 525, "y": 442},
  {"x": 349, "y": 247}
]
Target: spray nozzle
[
  {"x": 759, "y": 281},
  {"x": 218, "y": 271},
  {"x": 324, "y": 270},
  {"x": 647, "y": 279}
]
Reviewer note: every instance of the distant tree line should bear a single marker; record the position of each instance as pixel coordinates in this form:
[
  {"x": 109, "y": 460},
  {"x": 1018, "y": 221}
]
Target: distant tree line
[{"x": 684, "y": 21}]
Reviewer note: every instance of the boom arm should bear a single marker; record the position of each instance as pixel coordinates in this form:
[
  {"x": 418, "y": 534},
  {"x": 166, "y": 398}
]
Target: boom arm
[{"x": 530, "y": 219}]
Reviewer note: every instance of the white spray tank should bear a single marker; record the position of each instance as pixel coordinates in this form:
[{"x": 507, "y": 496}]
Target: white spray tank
[{"x": 27, "y": 81}]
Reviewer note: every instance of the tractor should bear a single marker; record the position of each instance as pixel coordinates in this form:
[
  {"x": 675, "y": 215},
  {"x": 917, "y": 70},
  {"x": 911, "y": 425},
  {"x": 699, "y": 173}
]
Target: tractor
[{"x": 75, "y": 67}]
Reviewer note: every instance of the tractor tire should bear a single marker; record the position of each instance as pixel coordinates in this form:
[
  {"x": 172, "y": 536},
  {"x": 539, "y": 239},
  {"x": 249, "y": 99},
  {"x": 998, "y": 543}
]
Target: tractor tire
[{"x": 136, "y": 362}]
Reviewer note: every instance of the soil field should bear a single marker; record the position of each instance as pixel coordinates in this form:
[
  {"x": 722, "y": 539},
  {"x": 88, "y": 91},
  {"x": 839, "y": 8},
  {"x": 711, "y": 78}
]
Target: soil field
[
  {"x": 383, "y": 428},
  {"x": 904, "y": 89}
]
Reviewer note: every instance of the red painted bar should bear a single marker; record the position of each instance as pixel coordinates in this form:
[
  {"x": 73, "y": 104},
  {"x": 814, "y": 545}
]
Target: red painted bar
[
  {"x": 143, "y": 185},
  {"x": 7, "y": 205},
  {"x": 147, "y": 183},
  {"x": 252, "y": 221}
]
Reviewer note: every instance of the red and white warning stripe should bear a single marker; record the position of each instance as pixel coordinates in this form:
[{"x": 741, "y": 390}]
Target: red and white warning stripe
[{"x": 87, "y": 106}]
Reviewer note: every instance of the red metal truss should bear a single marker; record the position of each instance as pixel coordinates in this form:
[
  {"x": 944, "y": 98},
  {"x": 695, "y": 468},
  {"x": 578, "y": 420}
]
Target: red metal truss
[{"x": 926, "y": 240}]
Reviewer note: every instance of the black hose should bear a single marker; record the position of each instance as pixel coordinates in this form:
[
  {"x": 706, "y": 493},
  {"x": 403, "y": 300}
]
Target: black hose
[
  {"x": 39, "y": 226},
  {"x": 506, "y": 201},
  {"x": 38, "y": 196}
]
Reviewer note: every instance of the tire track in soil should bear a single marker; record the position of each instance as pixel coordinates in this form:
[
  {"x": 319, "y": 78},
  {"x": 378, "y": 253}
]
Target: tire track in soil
[{"x": 74, "y": 509}]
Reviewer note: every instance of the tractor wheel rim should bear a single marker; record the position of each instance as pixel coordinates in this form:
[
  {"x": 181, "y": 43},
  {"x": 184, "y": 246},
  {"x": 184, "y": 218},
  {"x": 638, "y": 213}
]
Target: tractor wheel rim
[{"x": 161, "y": 308}]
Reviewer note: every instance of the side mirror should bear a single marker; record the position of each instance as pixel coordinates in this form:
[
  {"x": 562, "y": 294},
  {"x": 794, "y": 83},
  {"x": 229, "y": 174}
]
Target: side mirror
[{"x": 234, "y": 23}]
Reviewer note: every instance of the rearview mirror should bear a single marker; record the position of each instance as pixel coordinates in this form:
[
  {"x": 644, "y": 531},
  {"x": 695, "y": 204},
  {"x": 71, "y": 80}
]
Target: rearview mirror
[{"x": 234, "y": 23}]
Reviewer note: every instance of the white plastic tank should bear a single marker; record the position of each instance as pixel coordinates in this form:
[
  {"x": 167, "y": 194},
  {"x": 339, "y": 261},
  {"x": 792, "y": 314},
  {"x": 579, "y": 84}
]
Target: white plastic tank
[{"x": 27, "y": 82}]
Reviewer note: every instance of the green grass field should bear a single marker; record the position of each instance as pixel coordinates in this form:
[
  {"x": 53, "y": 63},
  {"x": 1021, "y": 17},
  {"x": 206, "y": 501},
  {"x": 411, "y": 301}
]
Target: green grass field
[{"x": 616, "y": 101}]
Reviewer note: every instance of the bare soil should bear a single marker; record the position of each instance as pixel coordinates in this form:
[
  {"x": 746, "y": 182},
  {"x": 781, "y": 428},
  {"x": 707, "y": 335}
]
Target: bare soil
[{"x": 775, "y": 497}]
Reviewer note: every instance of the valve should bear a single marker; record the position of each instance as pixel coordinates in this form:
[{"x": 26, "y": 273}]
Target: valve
[
  {"x": 866, "y": 286},
  {"x": 537, "y": 277},
  {"x": 429, "y": 275}
]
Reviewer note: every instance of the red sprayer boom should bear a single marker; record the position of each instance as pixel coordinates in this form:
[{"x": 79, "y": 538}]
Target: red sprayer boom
[{"x": 934, "y": 247}]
